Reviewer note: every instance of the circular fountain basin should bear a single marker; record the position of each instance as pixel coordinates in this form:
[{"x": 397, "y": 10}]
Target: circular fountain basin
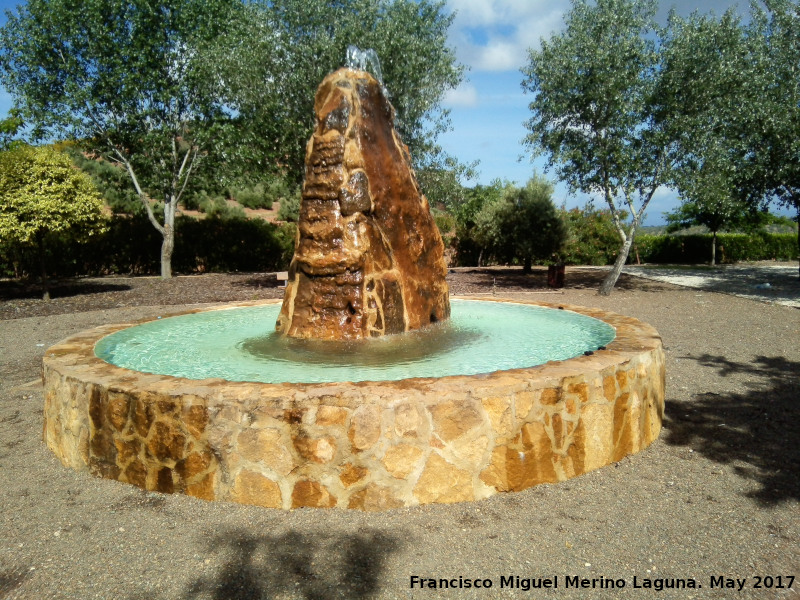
[{"x": 286, "y": 432}]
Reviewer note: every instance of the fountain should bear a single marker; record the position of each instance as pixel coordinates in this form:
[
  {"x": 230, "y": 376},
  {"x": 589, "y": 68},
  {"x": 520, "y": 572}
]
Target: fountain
[{"x": 327, "y": 408}]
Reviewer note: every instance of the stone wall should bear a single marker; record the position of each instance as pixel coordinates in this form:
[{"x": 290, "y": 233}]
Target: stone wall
[{"x": 370, "y": 445}]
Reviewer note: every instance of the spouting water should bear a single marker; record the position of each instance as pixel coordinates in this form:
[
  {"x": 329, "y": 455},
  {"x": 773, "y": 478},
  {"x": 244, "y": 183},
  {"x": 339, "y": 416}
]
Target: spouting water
[{"x": 364, "y": 60}]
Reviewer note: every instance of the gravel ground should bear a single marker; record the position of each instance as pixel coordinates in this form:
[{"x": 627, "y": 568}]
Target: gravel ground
[{"x": 717, "y": 496}]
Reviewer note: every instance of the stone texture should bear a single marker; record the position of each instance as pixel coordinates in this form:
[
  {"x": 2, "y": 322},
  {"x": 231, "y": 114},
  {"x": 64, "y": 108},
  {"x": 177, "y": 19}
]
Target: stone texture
[
  {"x": 442, "y": 482},
  {"x": 251, "y": 487},
  {"x": 312, "y": 494},
  {"x": 370, "y": 446},
  {"x": 453, "y": 419},
  {"x": 369, "y": 259},
  {"x": 401, "y": 460}
]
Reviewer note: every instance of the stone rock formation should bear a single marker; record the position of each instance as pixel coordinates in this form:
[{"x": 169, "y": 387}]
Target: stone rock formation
[{"x": 369, "y": 260}]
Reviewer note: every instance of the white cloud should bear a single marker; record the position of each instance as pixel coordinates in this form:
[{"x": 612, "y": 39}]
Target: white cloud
[
  {"x": 464, "y": 95},
  {"x": 494, "y": 35}
]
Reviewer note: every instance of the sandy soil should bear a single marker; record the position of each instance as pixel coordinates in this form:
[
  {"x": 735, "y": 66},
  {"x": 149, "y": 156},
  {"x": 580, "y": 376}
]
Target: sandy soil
[{"x": 717, "y": 496}]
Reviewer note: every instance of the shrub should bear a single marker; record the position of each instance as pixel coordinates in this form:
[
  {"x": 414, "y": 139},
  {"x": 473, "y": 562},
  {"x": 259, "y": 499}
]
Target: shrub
[
  {"x": 592, "y": 238},
  {"x": 290, "y": 208}
]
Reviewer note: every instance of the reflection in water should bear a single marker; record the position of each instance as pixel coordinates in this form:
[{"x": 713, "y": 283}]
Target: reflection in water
[{"x": 405, "y": 348}]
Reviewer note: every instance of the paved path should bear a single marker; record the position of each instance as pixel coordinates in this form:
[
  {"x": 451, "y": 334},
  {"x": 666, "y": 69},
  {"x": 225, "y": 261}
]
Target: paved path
[{"x": 776, "y": 283}]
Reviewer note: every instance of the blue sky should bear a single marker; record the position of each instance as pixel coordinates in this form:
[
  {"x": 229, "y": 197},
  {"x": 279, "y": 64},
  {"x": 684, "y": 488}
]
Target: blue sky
[{"x": 491, "y": 38}]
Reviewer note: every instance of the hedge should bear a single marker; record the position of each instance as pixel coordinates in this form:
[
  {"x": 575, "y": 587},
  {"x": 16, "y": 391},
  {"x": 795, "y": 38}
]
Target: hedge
[
  {"x": 133, "y": 246},
  {"x": 731, "y": 247}
]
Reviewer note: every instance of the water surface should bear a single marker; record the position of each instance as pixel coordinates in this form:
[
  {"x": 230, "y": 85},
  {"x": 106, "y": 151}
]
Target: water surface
[{"x": 239, "y": 344}]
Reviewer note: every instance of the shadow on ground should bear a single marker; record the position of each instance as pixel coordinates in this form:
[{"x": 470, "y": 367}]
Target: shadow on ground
[
  {"x": 63, "y": 288},
  {"x": 266, "y": 280},
  {"x": 513, "y": 279},
  {"x": 756, "y": 431},
  {"x": 317, "y": 567}
]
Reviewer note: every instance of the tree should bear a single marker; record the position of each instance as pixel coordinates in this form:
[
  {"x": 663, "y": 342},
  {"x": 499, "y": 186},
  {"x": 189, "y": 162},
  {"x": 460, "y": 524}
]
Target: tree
[
  {"x": 122, "y": 77},
  {"x": 272, "y": 62},
  {"x": 9, "y": 130},
  {"x": 522, "y": 224},
  {"x": 593, "y": 87},
  {"x": 770, "y": 127},
  {"x": 42, "y": 194},
  {"x": 709, "y": 202}
]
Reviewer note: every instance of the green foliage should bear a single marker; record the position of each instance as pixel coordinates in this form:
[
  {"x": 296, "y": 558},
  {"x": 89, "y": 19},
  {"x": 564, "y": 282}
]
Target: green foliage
[
  {"x": 446, "y": 224},
  {"x": 216, "y": 207},
  {"x": 592, "y": 238},
  {"x": 130, "y": 243},
  {"x": 124, "y": 77},
  {"x": 731, "y": 247},
  {"x": 112, "y": 182},
  {"x": 41, "y": 193},
  {"x": 273, "y": 59},
  {"x": 523, "y": 225},
  {"x": 465, "y": 208},
  {"x": 9, "y": 130},
  {"x": 290, "y": 208}
]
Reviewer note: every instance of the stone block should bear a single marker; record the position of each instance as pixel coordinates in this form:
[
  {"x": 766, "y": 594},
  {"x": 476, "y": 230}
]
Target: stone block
[
  {"x": 453, "y": 419},
  {"x": 442, "y": 482},
  {"x": 312, "y": 494},
  {"x": 250, "y": 487},
  {"x": 401, "y": 460},
  {"x": 269, "y": 447}
]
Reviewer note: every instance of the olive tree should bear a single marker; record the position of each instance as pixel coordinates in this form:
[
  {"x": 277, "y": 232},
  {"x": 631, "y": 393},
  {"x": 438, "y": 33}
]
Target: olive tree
[
  {"x": 122, "y": 77},
  {"x": 593, "y": 87},
  {"x": 522, "y": 223},
  {"x": 271, "y": 63}
]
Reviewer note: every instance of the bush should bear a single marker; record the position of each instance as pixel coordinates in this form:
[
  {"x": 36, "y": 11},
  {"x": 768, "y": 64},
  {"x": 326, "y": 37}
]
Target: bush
[
  {"x": 290, "y": 208},
  {"x": 131, "y": 245},
  {"x": 592, "y": 238},
  {"x": 731, "y": 247}
]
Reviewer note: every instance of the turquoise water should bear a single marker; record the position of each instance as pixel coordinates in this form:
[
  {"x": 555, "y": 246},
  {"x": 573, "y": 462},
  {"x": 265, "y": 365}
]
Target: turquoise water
[{"x": 239, "y": 344}]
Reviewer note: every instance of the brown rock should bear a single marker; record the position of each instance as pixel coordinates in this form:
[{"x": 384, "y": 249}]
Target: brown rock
[
  {"x": 312, "y": 494},
  {"x": 352, "y": 474},
  {"x": 319, "y": 450},
  {"x": 369, "y": 259},
  {"x": 166, "y": 441},
  {"x": 365, "y": 427},
  {"x": 203, "y": 489},
  {"x": 374, "y": 497},
  {"x": 401, "y": 460},
  {"x": 406, "y": 420},
  {"x": 454, "y": 419},
  {"x": 442, "y": 482},
  {"x": 268, "y": 447},
  {"x": 136, "y": 473},
  {"x": 499, "y": 410},
  {"x": 331, "y": 415},
  {"x": 194, "y": 464},
  {"x": 250, "y": 487},
  {"x": 117, "y": 410},
  {"x": 195, "y": 418}
]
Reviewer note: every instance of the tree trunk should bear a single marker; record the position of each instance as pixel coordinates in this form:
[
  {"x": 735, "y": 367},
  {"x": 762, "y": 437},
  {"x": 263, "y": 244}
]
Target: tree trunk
[
  {"x": 43, "y": 268},
  {"x": 713, "y": 248},
  {"x": 168, "y": 243},
  {"x": 611, "y": 279},
  {"x": 526, "y": 265}
]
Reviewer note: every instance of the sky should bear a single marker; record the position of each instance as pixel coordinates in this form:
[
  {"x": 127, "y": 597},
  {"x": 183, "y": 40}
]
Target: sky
[{"x": 488, "y": 111}]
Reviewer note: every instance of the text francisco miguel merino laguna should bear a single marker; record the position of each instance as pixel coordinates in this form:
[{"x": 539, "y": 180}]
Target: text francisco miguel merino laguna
[{"x": 554, "y": 582}]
